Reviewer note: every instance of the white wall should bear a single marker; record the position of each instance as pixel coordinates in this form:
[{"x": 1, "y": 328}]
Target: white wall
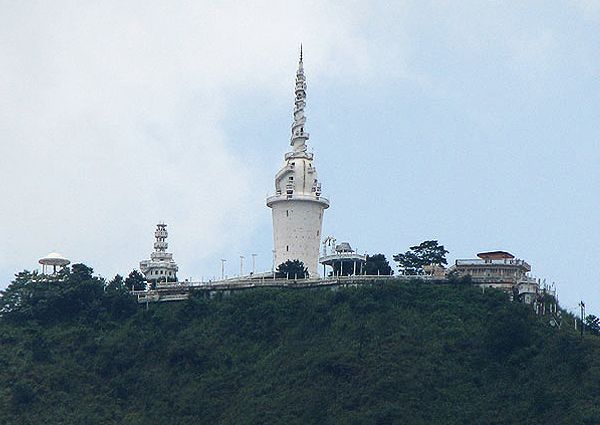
[{"x": 297, "y": 232}]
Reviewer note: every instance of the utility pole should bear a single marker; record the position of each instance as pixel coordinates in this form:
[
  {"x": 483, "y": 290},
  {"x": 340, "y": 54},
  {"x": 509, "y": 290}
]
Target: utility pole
[
  {"x": 582, "y": 305},
  {"x": 254, "y": 263}
]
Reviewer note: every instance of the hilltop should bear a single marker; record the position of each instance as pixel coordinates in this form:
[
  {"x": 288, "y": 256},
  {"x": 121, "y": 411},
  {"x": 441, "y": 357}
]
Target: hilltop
[{"x": 81, "y": 351}]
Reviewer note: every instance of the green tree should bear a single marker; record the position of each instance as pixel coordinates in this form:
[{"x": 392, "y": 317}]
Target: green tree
[
  {"x": 136, "y": 281},
  {"x": 117, "y": 283},
  {"x": 592, "y": 324},
  {"x": 377, "y": 265},
  {"x": 18, "y": 292},
  {"x": 118, "y": 299},
  {"x": 81, "y": 272},
  {"x": 292, "y": 269},
  {"x": 426, "y": 253},
  {"x": 455, "y": 278},
  {"x": 75, "y": 292},
  {"x": 509, "y": 329}
]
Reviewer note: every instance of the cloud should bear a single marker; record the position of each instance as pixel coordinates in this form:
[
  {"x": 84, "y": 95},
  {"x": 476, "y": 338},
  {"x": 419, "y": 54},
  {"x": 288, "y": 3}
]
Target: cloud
[
  {"x": 115, "y": 115},
  {"x": 111, "y": 118},
  {"x": 589, "y": 8}
]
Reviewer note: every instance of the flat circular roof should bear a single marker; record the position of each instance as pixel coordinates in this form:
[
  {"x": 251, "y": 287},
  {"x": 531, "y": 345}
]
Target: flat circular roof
[{"x": 54, "y": 259}]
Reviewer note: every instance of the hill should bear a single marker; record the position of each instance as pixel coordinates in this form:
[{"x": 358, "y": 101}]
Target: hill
[{"x": 81, "y": 351}]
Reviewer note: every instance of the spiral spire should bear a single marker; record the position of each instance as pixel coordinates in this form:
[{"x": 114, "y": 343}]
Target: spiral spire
[{"x": 299, "y": 136}]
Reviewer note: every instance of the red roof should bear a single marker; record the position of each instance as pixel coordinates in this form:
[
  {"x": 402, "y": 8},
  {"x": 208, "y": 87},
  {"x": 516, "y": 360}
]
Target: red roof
[{"x": 495, "y": 255}]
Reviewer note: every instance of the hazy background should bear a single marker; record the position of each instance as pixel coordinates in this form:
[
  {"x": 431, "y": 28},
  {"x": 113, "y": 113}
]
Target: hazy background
[{"x": 474, "y": 123}]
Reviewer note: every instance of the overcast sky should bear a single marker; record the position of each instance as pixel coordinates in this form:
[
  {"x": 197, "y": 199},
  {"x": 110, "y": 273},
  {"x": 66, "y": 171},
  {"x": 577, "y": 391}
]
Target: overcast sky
[{"x": 473, "y": 123}]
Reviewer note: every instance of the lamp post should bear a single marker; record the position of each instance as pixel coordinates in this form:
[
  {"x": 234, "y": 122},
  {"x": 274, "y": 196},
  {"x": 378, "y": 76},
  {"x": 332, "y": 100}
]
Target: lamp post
[
  {"x": 254, "y": 263},
  {"x": 241, "y": 265},
  {"x": 582, "y": 305},
  {"x": 223, "y": 268}
]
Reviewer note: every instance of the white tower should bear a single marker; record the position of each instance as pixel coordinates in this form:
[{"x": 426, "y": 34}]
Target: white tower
[
  {"x": 161, "y": 267},
  {"x": 297, "y": 205}
]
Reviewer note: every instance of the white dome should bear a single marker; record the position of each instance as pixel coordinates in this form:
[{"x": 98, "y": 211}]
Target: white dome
[{"x": 54, "y": 259}]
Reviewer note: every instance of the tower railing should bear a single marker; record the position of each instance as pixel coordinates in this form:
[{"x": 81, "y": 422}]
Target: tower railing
[{"x": 298, "y": 197}]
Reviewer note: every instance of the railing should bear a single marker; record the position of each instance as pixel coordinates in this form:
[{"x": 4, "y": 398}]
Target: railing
[
  {"x": 176, "y": 291},
  {"x": 163, "y": 262},
  {"x": 180, "y": 290},
  {"x": 298, "y": 197},
  {"x": 476, "y": 261},
  {"x": 343, "y": 256},
  {"x": 481, "y": 262},
  {"x": 527, "y": 288}
]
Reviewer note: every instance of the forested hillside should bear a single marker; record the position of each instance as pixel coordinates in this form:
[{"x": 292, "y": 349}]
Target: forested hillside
[{"x": 80, "y": 351}]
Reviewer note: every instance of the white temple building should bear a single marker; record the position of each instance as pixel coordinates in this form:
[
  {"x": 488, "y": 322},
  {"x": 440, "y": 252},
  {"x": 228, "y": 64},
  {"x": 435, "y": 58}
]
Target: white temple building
[
  {"x": 501, "y": 270},
  {"x": 297, "y": 205},
  {"x": 161, "y": 267}
]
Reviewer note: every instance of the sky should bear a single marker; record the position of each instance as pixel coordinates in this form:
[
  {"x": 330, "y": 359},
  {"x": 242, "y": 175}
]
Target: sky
[{"x": 473, "y": 123}]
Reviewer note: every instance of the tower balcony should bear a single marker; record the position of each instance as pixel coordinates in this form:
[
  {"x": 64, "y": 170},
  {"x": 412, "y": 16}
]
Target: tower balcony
[
  {"x": 290, "y": 155},
  {"x": 161, "y": 256},
  {"x": 161, "y": 245},
  {"x": 161, "y": 233},
  {"x": 297, "y": 197}
]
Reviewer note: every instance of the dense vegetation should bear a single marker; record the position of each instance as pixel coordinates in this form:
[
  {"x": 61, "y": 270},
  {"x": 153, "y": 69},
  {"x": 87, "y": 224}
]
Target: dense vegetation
[{"x": 80, "y": 351}]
